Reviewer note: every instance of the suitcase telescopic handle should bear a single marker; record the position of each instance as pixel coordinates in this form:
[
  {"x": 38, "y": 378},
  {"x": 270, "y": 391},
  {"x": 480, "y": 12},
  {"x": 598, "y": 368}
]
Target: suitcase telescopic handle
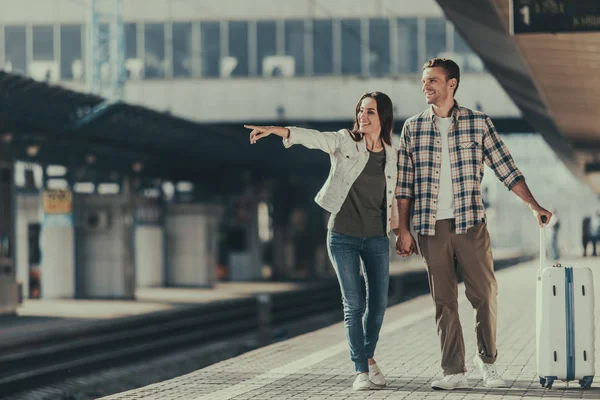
[{"x": 543, "y": 242}]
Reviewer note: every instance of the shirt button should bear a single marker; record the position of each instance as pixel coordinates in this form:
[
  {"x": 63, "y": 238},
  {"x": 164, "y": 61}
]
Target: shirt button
[
  {"x": 389, "y": 191},
  {"x": 390, "y": 206},
  {"x": 389, "y": 177}
]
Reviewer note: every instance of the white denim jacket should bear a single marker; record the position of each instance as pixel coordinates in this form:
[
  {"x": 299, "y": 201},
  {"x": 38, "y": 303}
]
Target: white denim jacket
[{"x": 348, "y": 159}]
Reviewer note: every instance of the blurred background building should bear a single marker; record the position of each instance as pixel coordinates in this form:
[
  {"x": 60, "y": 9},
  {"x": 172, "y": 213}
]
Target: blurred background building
[
  {"x": 258, "y": 60},
  {"x": 302, "y": 62}
]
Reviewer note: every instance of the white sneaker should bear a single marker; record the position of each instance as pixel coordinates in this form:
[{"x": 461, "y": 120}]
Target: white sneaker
[
  {"x": 489, "y": 373},
  {"x": 376, "y": 377},
  {"x": 362, "y": 382},
  {"x": 451, "y": 382}
]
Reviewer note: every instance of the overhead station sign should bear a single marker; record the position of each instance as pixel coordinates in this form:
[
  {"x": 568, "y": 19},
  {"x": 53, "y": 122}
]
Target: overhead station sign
[
  {"x": 554, "y": 16},
  {"x": 57, "y": 201}
]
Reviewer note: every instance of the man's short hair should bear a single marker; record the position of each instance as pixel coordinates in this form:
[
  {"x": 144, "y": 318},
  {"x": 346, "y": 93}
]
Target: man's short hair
[{"x": 451, "y": 68}]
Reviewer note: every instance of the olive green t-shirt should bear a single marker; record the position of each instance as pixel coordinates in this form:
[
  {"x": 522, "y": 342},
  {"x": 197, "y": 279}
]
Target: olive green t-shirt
[{"x": 363, "y": 212}]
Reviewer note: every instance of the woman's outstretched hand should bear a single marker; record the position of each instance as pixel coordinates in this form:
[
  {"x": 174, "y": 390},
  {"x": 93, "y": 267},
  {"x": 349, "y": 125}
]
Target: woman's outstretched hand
[{"x": 259, "y": 132}]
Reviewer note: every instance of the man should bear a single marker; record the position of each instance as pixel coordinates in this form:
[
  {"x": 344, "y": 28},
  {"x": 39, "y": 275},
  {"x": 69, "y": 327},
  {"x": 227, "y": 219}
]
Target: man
[
  {"x": 595, "y": 231},
  {"x": 440, "y": 167},
  {"x": 586, "y": 235},
  {"x": 555, "y": 227}
]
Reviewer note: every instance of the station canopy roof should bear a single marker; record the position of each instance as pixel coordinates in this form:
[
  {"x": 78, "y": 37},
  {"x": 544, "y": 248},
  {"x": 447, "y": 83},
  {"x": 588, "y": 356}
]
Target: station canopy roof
[{"x": 67, "y": 126}]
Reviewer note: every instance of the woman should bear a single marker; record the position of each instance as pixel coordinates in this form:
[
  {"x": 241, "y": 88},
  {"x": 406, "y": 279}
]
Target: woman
[{"x": 359, "y": 194}]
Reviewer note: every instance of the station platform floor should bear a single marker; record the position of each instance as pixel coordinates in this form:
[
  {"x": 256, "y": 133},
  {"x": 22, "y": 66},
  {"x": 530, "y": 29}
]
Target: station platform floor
[
  {"x": 317, "y": 366},
  {"x": 38, "y": 319}
]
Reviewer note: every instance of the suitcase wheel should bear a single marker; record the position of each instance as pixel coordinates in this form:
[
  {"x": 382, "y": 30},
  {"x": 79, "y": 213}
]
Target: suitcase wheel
[
  {"x": 586, "y": 382},
  {"x": 547, "y": 381}
]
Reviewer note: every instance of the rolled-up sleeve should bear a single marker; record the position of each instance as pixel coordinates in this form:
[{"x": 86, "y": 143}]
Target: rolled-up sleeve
[
  {"x": 313, "y": 139},
  {"x": 406, "y": 172},
  {"x": 395, "y": 222},
  {"x": 498, "y": 158}
]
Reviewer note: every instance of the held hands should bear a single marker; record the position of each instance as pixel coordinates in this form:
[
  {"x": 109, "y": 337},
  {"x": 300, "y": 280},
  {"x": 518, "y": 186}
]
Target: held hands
[
  {"x": 406, "y": 244},
  {"x": 259, "y": 132}
]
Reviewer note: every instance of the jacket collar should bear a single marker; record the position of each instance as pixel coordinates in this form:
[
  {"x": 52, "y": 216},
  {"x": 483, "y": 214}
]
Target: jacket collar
[{"x": 390, "y": 152}]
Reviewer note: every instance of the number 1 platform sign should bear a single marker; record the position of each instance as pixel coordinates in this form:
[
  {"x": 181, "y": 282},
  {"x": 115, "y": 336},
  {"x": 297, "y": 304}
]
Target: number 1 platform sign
[{"x": 554, "y": 16}]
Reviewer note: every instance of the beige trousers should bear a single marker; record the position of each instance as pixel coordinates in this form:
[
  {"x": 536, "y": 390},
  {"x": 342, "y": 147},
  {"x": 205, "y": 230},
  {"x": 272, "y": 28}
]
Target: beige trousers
[{"x": 471, "y": 254}]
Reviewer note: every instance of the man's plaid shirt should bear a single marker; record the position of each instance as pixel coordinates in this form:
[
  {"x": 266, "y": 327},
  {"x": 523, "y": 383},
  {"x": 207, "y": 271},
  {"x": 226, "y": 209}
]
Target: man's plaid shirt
[{"x": 472, "y": 140}]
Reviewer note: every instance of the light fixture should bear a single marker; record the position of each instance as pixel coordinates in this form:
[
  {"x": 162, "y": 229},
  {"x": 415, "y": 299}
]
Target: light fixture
[
  {"x": 32, "y": 150},
  {"x": 152, "y": 193},
  {"x": 137, "y": 166},
  {"x": 56, "y": 170},
  {"x": 185, "y": 187},
  {"x": 7, "y": 137},
  {"x": 57, "y": 184},
  {"x": 108, "y": 188},
  {"x": 168, "y": 189},
  {"x": 84, "y": 187}
]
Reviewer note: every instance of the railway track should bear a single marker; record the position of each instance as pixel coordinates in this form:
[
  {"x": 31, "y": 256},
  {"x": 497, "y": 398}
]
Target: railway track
[{"x": 131, "y": 340}]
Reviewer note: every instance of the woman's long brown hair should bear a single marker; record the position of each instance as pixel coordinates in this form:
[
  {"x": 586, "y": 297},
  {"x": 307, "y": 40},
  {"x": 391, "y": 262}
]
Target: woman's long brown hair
[{"x": 385, "y": 109}]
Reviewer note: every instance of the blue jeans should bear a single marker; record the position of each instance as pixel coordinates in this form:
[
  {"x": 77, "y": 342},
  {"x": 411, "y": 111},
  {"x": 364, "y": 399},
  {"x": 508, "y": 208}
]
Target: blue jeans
[{"x": 362, "y": 323}]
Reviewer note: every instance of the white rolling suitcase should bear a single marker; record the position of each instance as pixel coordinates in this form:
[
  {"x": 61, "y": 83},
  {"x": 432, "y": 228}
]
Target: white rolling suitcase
[{"x": 564, "y": 322}]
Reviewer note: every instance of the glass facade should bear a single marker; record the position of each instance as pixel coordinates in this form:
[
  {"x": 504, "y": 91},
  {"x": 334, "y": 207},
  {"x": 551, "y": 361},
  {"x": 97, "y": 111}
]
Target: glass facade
[
  {"x": 134, "y": 65},
  {"x": 351, "y": 47},
  {"x": 131, "y": 41},
  {"x": 322, "y": 44},
  {"x": 43, "y": 43},
  {"x": 71, "y": 60},
  {"x": 435, "y": 38},
  {"x": 296, "y": 34},
  {"x": 210, "y": 45},
  {"x": 238, "y": 57},
  {"x": 154, "y": 51},
  {"x": 183, "y": 54},
  {"x": 407, "y": 60},
  {"x": 15, "y": 49},
  {"x": 264, "y": 48},
  {"x": 379, "y": 52}
]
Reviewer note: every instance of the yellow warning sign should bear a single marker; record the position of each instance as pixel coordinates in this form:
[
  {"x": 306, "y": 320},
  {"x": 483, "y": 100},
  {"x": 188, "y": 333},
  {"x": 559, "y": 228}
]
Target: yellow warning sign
[{"x": 58, "y": 201}]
